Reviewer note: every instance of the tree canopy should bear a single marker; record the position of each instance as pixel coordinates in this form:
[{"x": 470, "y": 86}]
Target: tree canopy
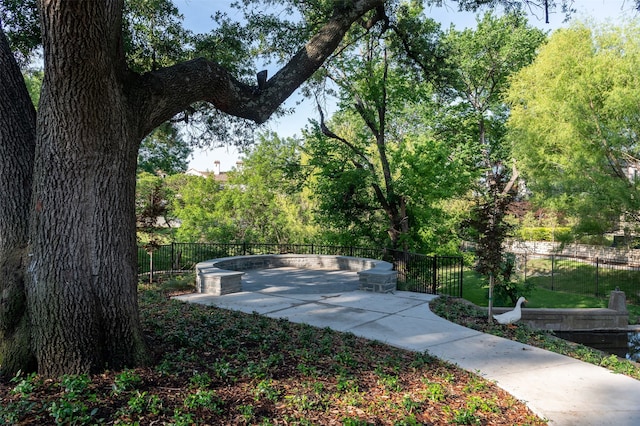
[
  {"x": 574, "y": 123},
  {"x": 482, "y": 59},
  {"x": 164, "y": 152},
  {"x": 261, "y": 201},
  {"x": 380, "y": 172}
]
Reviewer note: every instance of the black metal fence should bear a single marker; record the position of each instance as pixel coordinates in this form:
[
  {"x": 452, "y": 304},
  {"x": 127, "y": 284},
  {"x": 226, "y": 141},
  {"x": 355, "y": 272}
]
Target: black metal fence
[
  {"x": 595, "y": 277},
  {"x": 416, "y": 272},
  {"x": 428, "y": 274}
]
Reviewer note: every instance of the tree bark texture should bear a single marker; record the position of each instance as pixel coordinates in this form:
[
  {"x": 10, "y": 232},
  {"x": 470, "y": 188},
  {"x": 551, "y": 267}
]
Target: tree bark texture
[
  {"x": 17, "y": 142},
  {"x": 80, "y": 277},
  {"x": 81, "y": 285}
]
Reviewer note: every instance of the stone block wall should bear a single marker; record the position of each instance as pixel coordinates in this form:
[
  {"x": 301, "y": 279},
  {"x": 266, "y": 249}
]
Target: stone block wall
[
  {"x": 219, "y": 283},
  {"x": 575, "y": 319},
  {"x": 583, "y": 319},
  {"x": 378, "y": 281}
]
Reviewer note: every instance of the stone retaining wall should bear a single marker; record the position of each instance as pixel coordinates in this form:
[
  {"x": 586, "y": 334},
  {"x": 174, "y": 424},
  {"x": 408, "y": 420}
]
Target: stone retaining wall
[
  {"x": 616, "y": 317},
  {"x": 224, "y": 275},
  {"x": 586, "y": 319}
]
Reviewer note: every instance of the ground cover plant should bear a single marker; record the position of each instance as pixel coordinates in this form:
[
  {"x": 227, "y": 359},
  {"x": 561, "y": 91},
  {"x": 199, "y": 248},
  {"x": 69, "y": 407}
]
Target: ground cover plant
[
  {"x": 469, "y": 315},
  {"x": 215, "y": 366}
]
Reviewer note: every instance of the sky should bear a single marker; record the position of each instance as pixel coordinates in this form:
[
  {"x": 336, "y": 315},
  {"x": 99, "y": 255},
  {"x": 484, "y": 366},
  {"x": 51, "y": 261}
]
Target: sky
[{"x": 197, "y": 17}]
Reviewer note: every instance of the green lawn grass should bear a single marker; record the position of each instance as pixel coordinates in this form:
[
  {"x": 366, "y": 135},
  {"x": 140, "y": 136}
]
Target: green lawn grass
[{"x": 574, "y": 276}]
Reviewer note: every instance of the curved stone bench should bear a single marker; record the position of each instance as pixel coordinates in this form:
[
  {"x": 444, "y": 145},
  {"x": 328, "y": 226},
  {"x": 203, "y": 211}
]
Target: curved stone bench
[{"x": 224, "y": 275}]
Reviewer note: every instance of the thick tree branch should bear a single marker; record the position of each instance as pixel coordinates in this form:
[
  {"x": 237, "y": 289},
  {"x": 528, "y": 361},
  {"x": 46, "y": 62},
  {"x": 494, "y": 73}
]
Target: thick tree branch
[
  {"x": 376, "y": 188},
  {"x": 515, "y": 174},
  {"x": 381, "y": 142},
  {"x": 159, "y": 95},
  {"x": 330, "y": 134},
  {"x": 366, "y": 115},
  {"x": 380, "y": 15}
]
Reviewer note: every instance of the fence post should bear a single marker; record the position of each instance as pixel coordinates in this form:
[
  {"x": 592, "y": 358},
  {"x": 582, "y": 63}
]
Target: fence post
[
  {"x": 173, "y": 259},
  {"x": 597, "y": 275},
  {"x": 434, "y": 275},
  {"x": 151, "y": 267},
  {"x": 553, "y": 267},
  {"x": 461, "y": 267}
]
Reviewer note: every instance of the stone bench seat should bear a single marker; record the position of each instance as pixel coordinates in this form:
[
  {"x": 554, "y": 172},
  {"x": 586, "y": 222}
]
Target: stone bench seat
[
  {"x": 218, "y": 281},
  {"x": 224, "y": 275}
]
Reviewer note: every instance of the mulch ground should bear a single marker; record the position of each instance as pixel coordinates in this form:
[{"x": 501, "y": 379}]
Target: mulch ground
[{"x": 217, "y": 367}]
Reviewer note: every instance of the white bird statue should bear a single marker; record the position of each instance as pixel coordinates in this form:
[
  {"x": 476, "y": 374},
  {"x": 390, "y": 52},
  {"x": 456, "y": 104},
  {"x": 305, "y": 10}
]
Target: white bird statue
[{"x": 511, "y": 316}]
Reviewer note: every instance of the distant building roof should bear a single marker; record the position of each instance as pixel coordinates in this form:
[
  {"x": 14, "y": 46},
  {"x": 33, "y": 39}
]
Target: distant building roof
[
  {"x": 218, "y": 175},
  {"x": 194, "y": 172}
]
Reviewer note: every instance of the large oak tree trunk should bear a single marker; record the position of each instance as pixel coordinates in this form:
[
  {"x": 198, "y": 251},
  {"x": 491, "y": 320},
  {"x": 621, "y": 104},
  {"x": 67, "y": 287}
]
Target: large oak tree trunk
[
  {"x": 81, "y": 286},
  {"x": 17, "y": 142}
]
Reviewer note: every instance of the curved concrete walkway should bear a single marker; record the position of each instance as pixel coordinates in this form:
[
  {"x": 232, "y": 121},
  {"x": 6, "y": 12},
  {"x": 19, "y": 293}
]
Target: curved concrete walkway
[{"x": 561, "y": 389}]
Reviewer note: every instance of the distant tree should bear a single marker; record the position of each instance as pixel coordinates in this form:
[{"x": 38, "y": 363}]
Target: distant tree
[
  {"x": 265, "y": 198},
  {"x": 33, "y": 80},
  {"x": 154, "y": 209},
  {"x": 195, "y": 205},
  {"x": 261, "y": 202},
  {"x": 380, "y": 172},
  {"x": 482, "y": 60},
  {"x": 574, "y": 124},
  {"x": 164, "y": 152}
]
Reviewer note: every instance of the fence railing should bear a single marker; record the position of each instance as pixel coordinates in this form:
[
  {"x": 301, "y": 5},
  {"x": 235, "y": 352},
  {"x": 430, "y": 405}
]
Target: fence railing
[
  {"x": 416, "y": 272},
  {"x": 596, "y": 277},
  {"x": 428, "y": 274}
]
